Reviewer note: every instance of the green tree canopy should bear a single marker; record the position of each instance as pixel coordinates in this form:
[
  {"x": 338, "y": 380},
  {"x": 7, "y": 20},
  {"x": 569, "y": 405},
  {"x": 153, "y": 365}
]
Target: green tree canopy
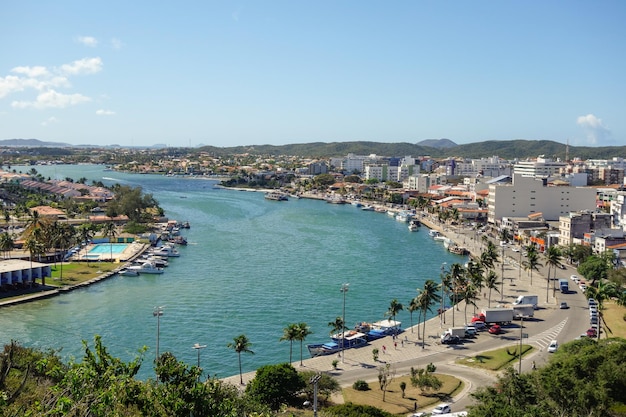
[{"x": 275, "y": 385}]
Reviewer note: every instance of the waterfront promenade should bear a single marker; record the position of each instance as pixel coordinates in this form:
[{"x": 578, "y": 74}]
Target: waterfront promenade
[{"x": 414, "y": 349}]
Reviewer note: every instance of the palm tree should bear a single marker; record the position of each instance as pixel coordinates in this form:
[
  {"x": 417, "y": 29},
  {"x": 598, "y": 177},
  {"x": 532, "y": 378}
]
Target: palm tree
[
  {"x": 6, "y": 244},
  {"x": 303, "y": 330},
  {"x": 470, "y": 295},
  {"x": 241, "y": 344},
  {"x": 65, "y": 235},
  {"x": 457, "y": 275},
  {"x": 394, "y": 308},
  {"x": 532, "y": 263},
  {"x": 33, "y": 223},
  {"x": 85, "y": 233},
  {"x": 476, "y": 276},
  {"x": 35, "y": 247},
  {"x": 413, "y": 306},
  {"x": 553, "y": 260},
  {"x": 109, "y": 231},
  {"x": 290, "y": 333},
  {"x": 427, "y": 297},
  {"x": 337, "y": 326},
  {"x": 491, "y": 282}
]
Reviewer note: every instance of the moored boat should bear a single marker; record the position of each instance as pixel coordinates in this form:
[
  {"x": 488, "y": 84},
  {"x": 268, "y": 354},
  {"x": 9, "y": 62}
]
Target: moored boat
[
  {"x": 146, "y": 268},
  {"x": 276, "y": 196},
  {"x": 355, "y": 340},
  {"x": 128, "y": 272}
]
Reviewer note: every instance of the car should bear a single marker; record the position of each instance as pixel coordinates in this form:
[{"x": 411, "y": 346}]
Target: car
[
  {"x": 495, "y": 329},
  {"x": 452, "y": 340},
  {"x": 592, "y": 332},
  {"x": 573, "y": 277},
  {"x": 442, "y": 409},
  {"x": 583, "y": 287},
  {"x": 554, "y": 345},
  {"x": 563, "y": 305},
  {"x": 470, "y": 331},
  {"x": 419, "y": 415},
  {"x": 592, "y": 302},
  {"x": 515, "y": 249},
  {"x": 479, "y": 325},
  {"x": 561, "y": 266},
  {"x": 593, "y": 320}
]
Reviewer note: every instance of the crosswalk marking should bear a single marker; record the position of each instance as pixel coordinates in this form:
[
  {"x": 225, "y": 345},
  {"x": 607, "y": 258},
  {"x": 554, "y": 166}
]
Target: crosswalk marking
[{"x": 544, "y": 338}]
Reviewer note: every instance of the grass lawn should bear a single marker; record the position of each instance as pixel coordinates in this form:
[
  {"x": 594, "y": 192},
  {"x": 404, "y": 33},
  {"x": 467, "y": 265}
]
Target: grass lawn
[
  {"x": 495, "y": 360},
  {"x": 395, "y": 404},
  {"x": 614, "y": 317},
  {"x": 77, "y": 272}
]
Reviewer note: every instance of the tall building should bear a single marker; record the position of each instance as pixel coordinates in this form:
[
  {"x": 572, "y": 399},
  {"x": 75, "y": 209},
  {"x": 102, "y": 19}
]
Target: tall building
[
  {"x": 529, "y": 195},
  {"x": 539, "y": 168}
]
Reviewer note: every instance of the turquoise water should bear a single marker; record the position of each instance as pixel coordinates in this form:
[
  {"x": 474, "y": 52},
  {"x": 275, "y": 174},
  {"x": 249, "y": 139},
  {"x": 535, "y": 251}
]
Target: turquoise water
[
  {"x": 101, "y": 248},
  {"x": 252, "y": 266}
]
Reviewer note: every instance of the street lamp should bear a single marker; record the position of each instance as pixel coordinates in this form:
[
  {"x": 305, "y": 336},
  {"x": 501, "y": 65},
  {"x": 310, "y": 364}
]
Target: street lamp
[
  {"x": 344, "y": 290},
  {"x": 521, "y": 336},
  {"x": 502, "y": 278},
  {"x": 197, "y": 347},
  {"x": 157, "y": 312},
  {"x": 442, "y": 317},
  {"x": 314, "y": 380}
]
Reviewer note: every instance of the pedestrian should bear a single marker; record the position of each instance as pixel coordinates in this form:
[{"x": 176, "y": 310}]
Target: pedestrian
[
  {"x": 402, "y": 342},
  {"x": 395, "y": 345},
  {"x": 534, "y": 366},
  {"x": 384, "y": 349},
  {"x": 415, "y": 406}
]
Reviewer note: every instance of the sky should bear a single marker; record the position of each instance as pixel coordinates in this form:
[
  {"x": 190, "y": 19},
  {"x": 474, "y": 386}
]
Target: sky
[{"x": 230, "y": 73}]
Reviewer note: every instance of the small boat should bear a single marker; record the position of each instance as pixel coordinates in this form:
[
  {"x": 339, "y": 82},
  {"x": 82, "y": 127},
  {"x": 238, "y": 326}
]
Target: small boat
[
  {"x": 458, "y": 250},
  {"x": 367, "y": 208},
  {"x": 146, "y": 268},
  {"x": 276, "y": 196},
  {"x": 128, "y": 272},
  {"x": 433, "y": 233},
  {"x": 356, "y": 203},
  {"x": 329, "y": 348},
  {"x": 413, "y": 227},
  {"x": 336, "y": 200},
  {"x": 167, "y": 251}
]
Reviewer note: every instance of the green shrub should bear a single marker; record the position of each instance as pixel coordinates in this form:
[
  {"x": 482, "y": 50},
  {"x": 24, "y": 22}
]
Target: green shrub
[{"x": 361, "y": 385}]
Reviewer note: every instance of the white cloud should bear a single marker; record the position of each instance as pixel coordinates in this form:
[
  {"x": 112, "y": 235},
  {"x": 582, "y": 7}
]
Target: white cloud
[
  {"x": 102, "y": 112},
  {"x": 595, "y": 129},
  {"x": 88, "y": 41},
  {"x": 52, "y": 99},
  {"x": 83, "y": 66},
  {"x": 50, "y": 120},
  {"x": 10, "y": 84},
  {"x": 31, "y": 72}
]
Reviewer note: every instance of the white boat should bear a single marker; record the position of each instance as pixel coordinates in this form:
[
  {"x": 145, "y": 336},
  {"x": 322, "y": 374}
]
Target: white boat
[
  {"x": 128, "y": 272},
  {"x": 276, "y": 196},
  {"x": 356, "y": 203},
  {"x": 440, "y": 238},
  {"x": 367, "y": 208},
  {"x": 413, "y": 227},
  {"x": 167, "y": 251},
  {"x": 433, "y": 233},
  {"x": 146, "y": 268},
  {"x": 403, "y": 217}
]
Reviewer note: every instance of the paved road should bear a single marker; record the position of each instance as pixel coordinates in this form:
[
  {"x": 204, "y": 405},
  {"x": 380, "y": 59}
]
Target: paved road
[{"x": 549, "y": 323}]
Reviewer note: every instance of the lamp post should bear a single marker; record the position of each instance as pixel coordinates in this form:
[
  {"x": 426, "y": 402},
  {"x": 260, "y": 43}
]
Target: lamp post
[
  {"x": 157, "y": 312},
  {"x": 442, "y": 317},
  {"x": 314, "y": 380},
  {"x": 344, "y": 290},
  {"x": 502, "y": 278},
  {"x": 197, "y": 347},
  {"x": 521, "y": 336}
]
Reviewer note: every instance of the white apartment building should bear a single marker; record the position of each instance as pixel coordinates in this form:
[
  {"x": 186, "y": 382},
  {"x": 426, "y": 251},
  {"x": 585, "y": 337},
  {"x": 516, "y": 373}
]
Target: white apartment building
[
  {"x": 486, "y": 167},
  {"x": 377, "y": 171},
  {"x": 539, "y": 168},
  {"x": 422, "y": 182},
  {"x": 573, "y": 226},
  {"x": 528, "y": 195},
  {"x": 618, "y": 210}
]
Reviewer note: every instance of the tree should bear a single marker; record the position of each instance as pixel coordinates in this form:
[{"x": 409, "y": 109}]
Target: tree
[
  {"x": 385, "y": 376},
  {"x": 553, "y": 261},
  {"x": 241, "y": 344},
  {"x": 532, "y": 264},
  {"x": 275, "y": 385},
  {"x": 355, "y": 410},
  {"x": 394, "y": 308},
  {"x": 491, "y": 282},
  {"x": 413, "y": 306},
  {"x": 6, "y": 244},
  {"x": 336, "y": 326},
  {"x": 427, "y": 297},
  {"x": 424, "y": 379},
  {"x": 594, "y": 269},
  {"x": 326, "y": 386},
  {"x": 290, "y": 333},
  {"x": 303, "y": 330},
  {"x": 110, "y": 232}
]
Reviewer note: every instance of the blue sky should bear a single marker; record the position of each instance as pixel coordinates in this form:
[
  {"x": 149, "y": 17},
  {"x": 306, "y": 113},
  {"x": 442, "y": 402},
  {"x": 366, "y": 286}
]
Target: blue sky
[{"x": 276, "y": 72}]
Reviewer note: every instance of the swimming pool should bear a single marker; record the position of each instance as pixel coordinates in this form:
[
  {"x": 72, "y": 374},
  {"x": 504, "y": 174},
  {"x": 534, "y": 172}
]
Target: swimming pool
[{"x": 107, "y": 248}]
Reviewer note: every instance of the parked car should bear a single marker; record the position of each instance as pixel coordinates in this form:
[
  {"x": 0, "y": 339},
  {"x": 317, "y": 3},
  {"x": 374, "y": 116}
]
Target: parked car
[
  {"x": 479, "y": 325},
  {"x": 495, "y": 329},
  {"x": 452, "y": 340},
  {"x": 470, "y": 331},
  {"x": 554, "y": 345},
  {"x": 592, "y": 332},
  {"x": 563, "y": 305},
  {"x": 442, "y": 409}
]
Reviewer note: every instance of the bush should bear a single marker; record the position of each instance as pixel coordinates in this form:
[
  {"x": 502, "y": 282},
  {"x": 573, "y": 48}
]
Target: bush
[{"x": 361, "y": 385}]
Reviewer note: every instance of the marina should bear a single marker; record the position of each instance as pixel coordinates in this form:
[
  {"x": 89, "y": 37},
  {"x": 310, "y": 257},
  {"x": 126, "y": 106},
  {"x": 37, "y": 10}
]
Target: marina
[{"x": 242, "y": 251}]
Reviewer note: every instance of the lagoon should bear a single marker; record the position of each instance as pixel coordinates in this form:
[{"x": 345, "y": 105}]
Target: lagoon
[{"x": 252, "y": 266}]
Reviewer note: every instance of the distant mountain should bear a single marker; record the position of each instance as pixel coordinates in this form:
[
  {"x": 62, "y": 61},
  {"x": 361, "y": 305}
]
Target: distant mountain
[
  {"x": 32, "y": 143},
  {"x": 437, "y": 143}
]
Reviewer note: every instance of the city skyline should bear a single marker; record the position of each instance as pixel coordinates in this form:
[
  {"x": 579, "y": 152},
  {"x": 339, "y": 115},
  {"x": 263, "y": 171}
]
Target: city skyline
[{"x": 228, "y": 74}]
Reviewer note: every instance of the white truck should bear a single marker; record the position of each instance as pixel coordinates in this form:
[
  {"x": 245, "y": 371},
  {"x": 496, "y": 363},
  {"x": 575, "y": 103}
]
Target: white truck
[
  {"x": 497, "y": 315},
  {"x": 527, "y": 299},
  {"x": 456, "y": 331},
  {"x": 523, "y": 310}
]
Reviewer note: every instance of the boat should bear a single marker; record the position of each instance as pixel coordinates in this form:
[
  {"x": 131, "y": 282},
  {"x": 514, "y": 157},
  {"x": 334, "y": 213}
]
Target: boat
[
  {"x": 440, "y": 238},
  {"x": 336, "y": 200},
  {"x": 352, "y": 341},
  {"x": 413, "y": 227},
  {"x": 146, "y": 268},
  {"x": 433, "y": 233},
  {"x": 275, "y": 196},
  {"x": 167, "y": 251},
  {"x": 356, "y": 203},
  {"x": 128, "y": 272},
  {"x": 458, "y": 250},
  {"x": 403, "y": 216},
  {"x": 388, "y": 327},
  {"x": 367, "y": 208}
]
